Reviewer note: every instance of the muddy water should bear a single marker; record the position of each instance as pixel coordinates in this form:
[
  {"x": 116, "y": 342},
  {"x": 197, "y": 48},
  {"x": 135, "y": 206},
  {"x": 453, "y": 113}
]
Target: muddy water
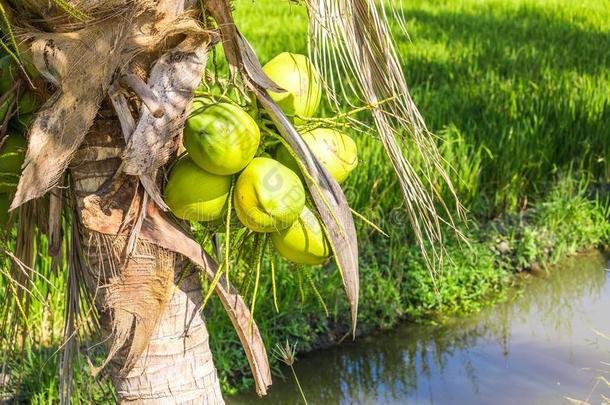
[{"x": 538, "y": 348}]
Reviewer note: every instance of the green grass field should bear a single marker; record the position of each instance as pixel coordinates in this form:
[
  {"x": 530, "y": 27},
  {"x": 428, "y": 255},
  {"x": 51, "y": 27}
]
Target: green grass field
[
  {"x": 519, "y": 94},
  {"x": 519, "y": 89}
]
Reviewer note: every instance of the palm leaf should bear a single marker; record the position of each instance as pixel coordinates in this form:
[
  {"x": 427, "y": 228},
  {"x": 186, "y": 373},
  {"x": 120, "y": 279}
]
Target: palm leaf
[{"x": 351, "y": 39}]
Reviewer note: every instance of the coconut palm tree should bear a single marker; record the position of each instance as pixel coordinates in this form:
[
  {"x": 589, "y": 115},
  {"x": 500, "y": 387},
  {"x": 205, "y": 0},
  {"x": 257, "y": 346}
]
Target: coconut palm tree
[{"x": 117, "y": 78}]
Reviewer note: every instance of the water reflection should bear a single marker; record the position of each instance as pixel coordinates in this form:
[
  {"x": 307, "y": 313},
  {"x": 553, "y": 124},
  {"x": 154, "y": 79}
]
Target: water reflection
[{"x": 530, "y": 350}]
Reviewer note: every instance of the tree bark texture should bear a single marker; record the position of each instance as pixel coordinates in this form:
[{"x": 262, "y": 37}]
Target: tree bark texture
[{"x": 149, "y": 304}]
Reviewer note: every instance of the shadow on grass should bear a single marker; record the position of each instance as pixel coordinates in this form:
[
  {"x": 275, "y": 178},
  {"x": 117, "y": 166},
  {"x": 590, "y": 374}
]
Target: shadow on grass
[
  {"x": 520, "y": 42},
  {"x": 530, "y": 87}
]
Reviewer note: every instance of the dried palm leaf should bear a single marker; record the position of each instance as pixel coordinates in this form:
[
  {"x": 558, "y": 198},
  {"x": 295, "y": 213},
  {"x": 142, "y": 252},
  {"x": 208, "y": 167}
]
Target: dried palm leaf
[
  {"x": 173, "y": 79},
  {"x": 71, "y": 62},
  {"x": 351, "y": 40}
]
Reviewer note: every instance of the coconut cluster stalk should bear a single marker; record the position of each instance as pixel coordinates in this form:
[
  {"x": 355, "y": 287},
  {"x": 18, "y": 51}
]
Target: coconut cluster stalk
[{"x": 101, "y": 179}]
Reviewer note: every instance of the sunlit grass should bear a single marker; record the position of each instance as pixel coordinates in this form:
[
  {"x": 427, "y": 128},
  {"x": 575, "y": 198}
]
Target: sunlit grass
[{"x": 520, "y": 87}]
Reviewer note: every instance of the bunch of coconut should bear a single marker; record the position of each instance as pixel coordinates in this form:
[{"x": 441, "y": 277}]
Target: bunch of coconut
[
  {"x": 234, "y": 164},
  {"x": 16, "y": 111}
]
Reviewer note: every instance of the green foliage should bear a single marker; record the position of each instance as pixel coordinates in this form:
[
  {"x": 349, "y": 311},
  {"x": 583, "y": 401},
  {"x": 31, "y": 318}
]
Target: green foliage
[
  {"x": 568, "y": 220},
  {"x": 37, "y": 379},
  {"x": 396, "y": 285},
  {"x": 519, "y": 91}
]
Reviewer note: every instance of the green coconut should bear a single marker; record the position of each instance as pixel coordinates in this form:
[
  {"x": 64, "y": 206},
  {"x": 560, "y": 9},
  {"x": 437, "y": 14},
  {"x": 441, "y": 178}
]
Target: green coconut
[
  {"x": 304, "y": 242},
  {"x": 297, "y": 75},
  {"x": 336, "y": 151},
  {"x": 195, "y": 194},
  {"x": 221, "y": 138},
  {"x": 268, "y": 196}
]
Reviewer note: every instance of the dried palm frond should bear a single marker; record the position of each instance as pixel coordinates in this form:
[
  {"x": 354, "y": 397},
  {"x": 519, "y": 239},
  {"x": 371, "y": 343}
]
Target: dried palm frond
[
  {"x": 63, "y": 15},
  {"x": 352, "y": 45}
]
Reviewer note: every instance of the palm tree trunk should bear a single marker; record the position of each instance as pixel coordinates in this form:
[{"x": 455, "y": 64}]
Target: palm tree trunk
[
  {"x": 177, "y": 365},
  {"x": 149, "y": 304}
]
